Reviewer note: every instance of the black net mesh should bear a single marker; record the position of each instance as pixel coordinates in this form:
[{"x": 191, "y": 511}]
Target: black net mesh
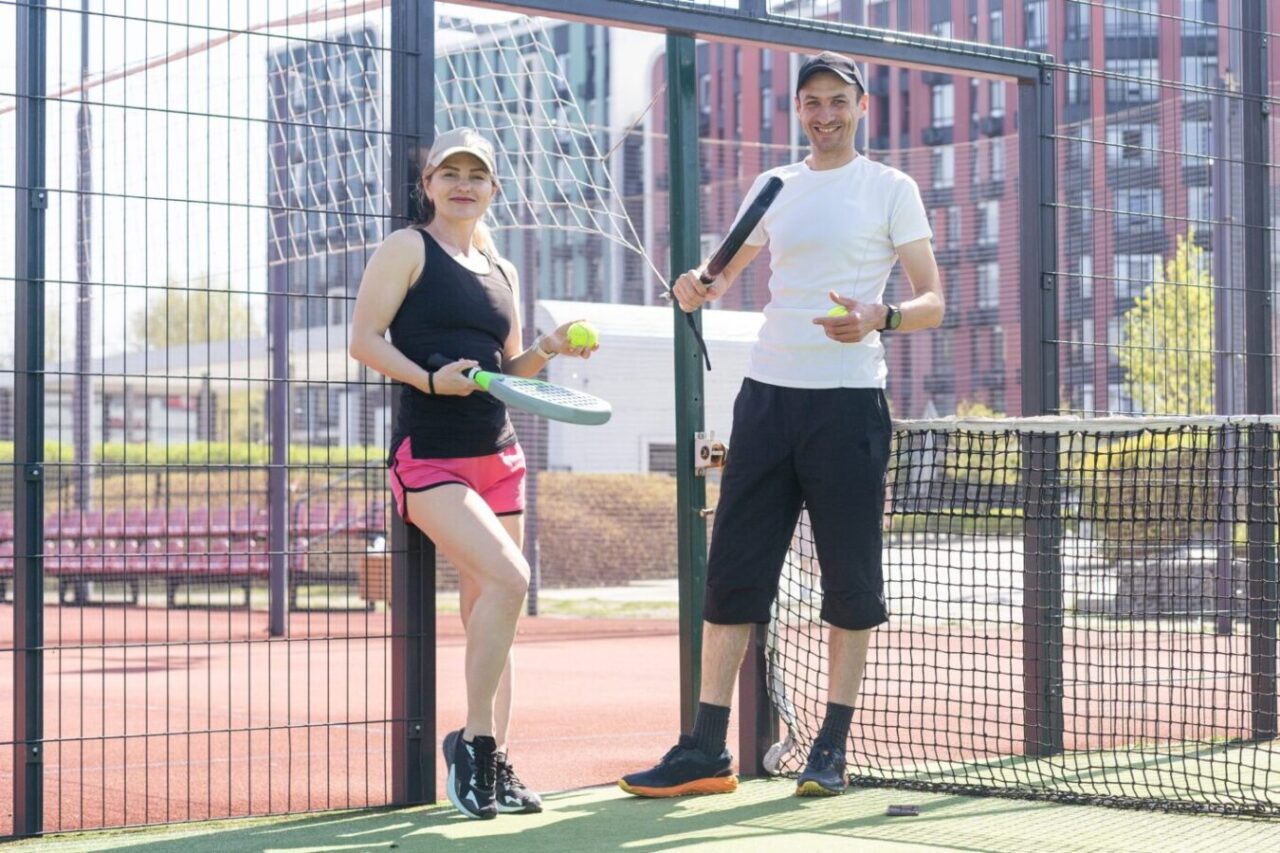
[{"x": 1081, "y": 610}]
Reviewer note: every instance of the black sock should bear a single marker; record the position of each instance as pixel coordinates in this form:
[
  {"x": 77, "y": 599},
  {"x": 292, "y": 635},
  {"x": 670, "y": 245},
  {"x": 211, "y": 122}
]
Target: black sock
[
  {"x": 835, "y": 728},
  {"x": 710, "y": 728}
]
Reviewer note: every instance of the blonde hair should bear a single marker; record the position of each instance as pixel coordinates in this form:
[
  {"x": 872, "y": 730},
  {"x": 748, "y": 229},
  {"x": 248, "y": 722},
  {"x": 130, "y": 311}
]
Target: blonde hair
[{"x": 481, "y": 237}]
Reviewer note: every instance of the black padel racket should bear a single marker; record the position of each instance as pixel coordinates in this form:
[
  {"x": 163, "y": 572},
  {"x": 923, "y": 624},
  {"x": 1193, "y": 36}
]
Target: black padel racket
[
  {"x": 537, "y": 397},
  {"x": 742, "y": 229},
  {"x": 733, "y": 242}
]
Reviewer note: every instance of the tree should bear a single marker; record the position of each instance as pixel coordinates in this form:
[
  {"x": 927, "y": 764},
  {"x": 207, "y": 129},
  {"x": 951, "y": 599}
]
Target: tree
[
  {"x": 203, "y": 312},
  {"x": 1168, "y": 352}
]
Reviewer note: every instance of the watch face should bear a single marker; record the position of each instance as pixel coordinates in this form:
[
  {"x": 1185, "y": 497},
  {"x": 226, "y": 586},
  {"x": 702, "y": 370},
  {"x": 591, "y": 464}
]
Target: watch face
[{"x": 894, "y": 320}]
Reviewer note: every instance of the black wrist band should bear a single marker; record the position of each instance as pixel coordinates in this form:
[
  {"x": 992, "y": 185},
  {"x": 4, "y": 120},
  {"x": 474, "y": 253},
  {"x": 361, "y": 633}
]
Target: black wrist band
[{"x": 431, "y": 382}]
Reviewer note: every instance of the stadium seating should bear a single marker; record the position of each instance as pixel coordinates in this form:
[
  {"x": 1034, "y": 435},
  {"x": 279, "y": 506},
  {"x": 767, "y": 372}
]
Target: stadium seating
[{"x": 197, "y": 546}]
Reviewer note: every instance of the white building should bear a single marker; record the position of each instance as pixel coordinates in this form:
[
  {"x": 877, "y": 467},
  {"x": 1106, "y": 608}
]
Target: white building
[{"x": 635, "y": 371}]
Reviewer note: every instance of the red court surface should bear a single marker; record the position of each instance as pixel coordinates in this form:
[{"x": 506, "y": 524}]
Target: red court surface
[{"x": 213, "y": 719}]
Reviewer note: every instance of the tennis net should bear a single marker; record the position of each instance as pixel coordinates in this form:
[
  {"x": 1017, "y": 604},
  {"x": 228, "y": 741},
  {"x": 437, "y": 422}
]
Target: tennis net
[{"x": 1082, "y": 610}]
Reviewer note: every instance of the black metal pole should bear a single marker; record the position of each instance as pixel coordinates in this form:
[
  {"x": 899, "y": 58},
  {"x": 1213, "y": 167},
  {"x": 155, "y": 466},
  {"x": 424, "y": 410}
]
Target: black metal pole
[
  {"x": 28, "y": 450},
  {"x": 413, "y": 600},
  {"x": 1264, "y": 610},
  {"x": 1042, "y": 609}
]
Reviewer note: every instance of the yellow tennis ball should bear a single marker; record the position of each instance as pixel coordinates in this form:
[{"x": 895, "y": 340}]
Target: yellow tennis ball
[
  {"x": 583, "y": 335},
  {"x": 837, "y": 311}
]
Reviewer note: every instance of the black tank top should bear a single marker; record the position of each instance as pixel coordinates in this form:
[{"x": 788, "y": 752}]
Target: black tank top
[{"x": 460, "y": 314}]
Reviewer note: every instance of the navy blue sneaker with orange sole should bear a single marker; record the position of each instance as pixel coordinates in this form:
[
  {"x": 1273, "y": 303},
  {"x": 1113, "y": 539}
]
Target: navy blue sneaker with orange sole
[{"x": 684, "y": 770}]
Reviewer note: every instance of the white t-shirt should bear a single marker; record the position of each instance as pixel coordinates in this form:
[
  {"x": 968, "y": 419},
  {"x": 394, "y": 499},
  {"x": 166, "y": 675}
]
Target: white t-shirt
[{"x": 835, "y": 229}]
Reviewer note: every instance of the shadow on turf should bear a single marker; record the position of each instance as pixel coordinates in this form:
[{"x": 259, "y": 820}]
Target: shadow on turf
[{"x": 759, "y": 815}]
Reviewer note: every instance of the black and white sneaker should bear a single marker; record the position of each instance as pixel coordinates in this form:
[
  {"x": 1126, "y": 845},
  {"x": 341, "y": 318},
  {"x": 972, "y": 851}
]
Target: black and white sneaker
[
  {"x": 471, "y": 774},
  {"x": 512, "y": 795}
]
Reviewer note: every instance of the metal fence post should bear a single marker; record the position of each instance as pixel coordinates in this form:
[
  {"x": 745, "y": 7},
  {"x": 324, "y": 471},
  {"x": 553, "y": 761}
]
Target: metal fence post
[
  {"x": 1264, "y": 611},
  {"x": 1042, "y": 611},
  {"x": 413, "y": 610},
  {"x": 691, "y": 490},
  {"x": 28, "y": 451}
]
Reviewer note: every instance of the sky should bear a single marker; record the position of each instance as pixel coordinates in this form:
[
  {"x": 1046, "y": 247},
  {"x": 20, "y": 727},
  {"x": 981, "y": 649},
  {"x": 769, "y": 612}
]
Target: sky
[{"x": 202, "y": 136}]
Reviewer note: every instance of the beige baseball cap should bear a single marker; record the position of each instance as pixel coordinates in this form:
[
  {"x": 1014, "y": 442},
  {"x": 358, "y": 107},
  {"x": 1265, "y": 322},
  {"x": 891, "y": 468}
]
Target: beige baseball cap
[{"x": 462, "y": 139}]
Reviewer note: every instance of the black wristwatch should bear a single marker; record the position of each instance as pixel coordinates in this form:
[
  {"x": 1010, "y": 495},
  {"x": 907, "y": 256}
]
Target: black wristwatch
[{"x": 892, "y": 319}]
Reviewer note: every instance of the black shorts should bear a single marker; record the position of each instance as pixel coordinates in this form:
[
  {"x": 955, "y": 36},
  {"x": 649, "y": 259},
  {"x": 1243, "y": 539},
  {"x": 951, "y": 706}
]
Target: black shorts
[{"x": 827, "y": 450}]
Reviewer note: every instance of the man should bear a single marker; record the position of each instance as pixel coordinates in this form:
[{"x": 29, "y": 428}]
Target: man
[{"x": 811, "y": 424}]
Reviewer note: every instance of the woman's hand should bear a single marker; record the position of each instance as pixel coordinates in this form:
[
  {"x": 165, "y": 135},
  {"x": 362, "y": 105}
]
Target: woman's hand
[
  {"x": 452, "y": 379},
  {"x": 558, "y": 342}
]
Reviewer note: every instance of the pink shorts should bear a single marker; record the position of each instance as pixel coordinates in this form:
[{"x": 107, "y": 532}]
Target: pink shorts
[{"x": 497, "y": 478}]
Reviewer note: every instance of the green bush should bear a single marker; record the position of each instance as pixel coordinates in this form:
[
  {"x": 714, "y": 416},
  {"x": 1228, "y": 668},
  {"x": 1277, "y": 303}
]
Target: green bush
[
  {"x": 54, "y": 451},
  {"x": 199, "y": 453},
  {"x": 1153, "y": 489}
]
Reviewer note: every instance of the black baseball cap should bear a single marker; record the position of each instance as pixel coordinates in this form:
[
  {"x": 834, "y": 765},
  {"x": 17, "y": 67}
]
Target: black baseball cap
[{"x": 841, "y": 66}]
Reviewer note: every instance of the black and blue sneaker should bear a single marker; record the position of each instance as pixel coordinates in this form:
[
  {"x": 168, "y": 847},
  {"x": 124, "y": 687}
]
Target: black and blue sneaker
[
  {"x": 471, "y": 774},
  {"x": 685, "y": 769},
  {"x": 824, "y": 774},
  {"x": 513, "y": 796}
]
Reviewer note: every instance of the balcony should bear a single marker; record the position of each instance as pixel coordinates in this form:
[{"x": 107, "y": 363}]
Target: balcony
[
  {"x": 938, "y": 135},
  {"x": 939, "y": 383},
  {"x": 990, "y": 189},
  {"x": 983, "y": 252},
  {"x": 989, "y": 377},
  {"x": 983, "y": 315},
  {"x": 991, "y": 126}
]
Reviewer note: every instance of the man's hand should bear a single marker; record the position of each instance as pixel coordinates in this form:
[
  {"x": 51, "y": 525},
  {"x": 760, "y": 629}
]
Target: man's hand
[
  {"x": 859, "y": 320},
  {"x": 691, "y": 293}
]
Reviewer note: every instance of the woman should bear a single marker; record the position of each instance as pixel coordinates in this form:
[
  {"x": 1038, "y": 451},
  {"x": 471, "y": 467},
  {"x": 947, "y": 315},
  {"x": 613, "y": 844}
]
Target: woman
[{"x": 456, "y": 469}]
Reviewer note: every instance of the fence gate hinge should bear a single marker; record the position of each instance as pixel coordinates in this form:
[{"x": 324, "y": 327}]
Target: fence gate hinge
[
  {"x": 1046, "y": 281},
  {"x": 39, "y": 199},
  {"x": 34, "y": 473}
]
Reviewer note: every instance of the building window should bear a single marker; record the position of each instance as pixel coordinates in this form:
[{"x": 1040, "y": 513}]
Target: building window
[
  {"x": 943, "y": 358},
  {"x": 1139, "y": 208},
  {"x": 997, "y": 27},
  {"x": 988, "y": 222},
  {"x": 988, "y": 285},
  {"x": 942, "y": 29},
  {"x": 997, "y": 159},
  {"x": 1086, "y": 340},
  {"x": 1197, "y": 142},
  {"x": 944, "y": 105},
  {"x": 1200, "y": 204},
  {"x": 954, "y": 223},
  {"x": 1199, "y": 17},
  {"x": 1134, "y": 273},
  {"x": 944, "y": 167},
  {"x": 766, "y": 114},
  {"x": 1086, "y": 397},
  {"x": 1086, "y": 276},
  {"x": 1200, "y": 72},
  {"x": 1130, "y": 18},
  {"x": 1132, "y": 144},
  {"x": 1078, "y": 82},
  {"x": 997, "y": 99},
  {"x": 1115, "y": 339},
  {"x": 661, "y": 458},
  {"x": 1037, "y": 23},
  {"x": 1078, "y": 19},
  {"x": 1134, "y": 81}
]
